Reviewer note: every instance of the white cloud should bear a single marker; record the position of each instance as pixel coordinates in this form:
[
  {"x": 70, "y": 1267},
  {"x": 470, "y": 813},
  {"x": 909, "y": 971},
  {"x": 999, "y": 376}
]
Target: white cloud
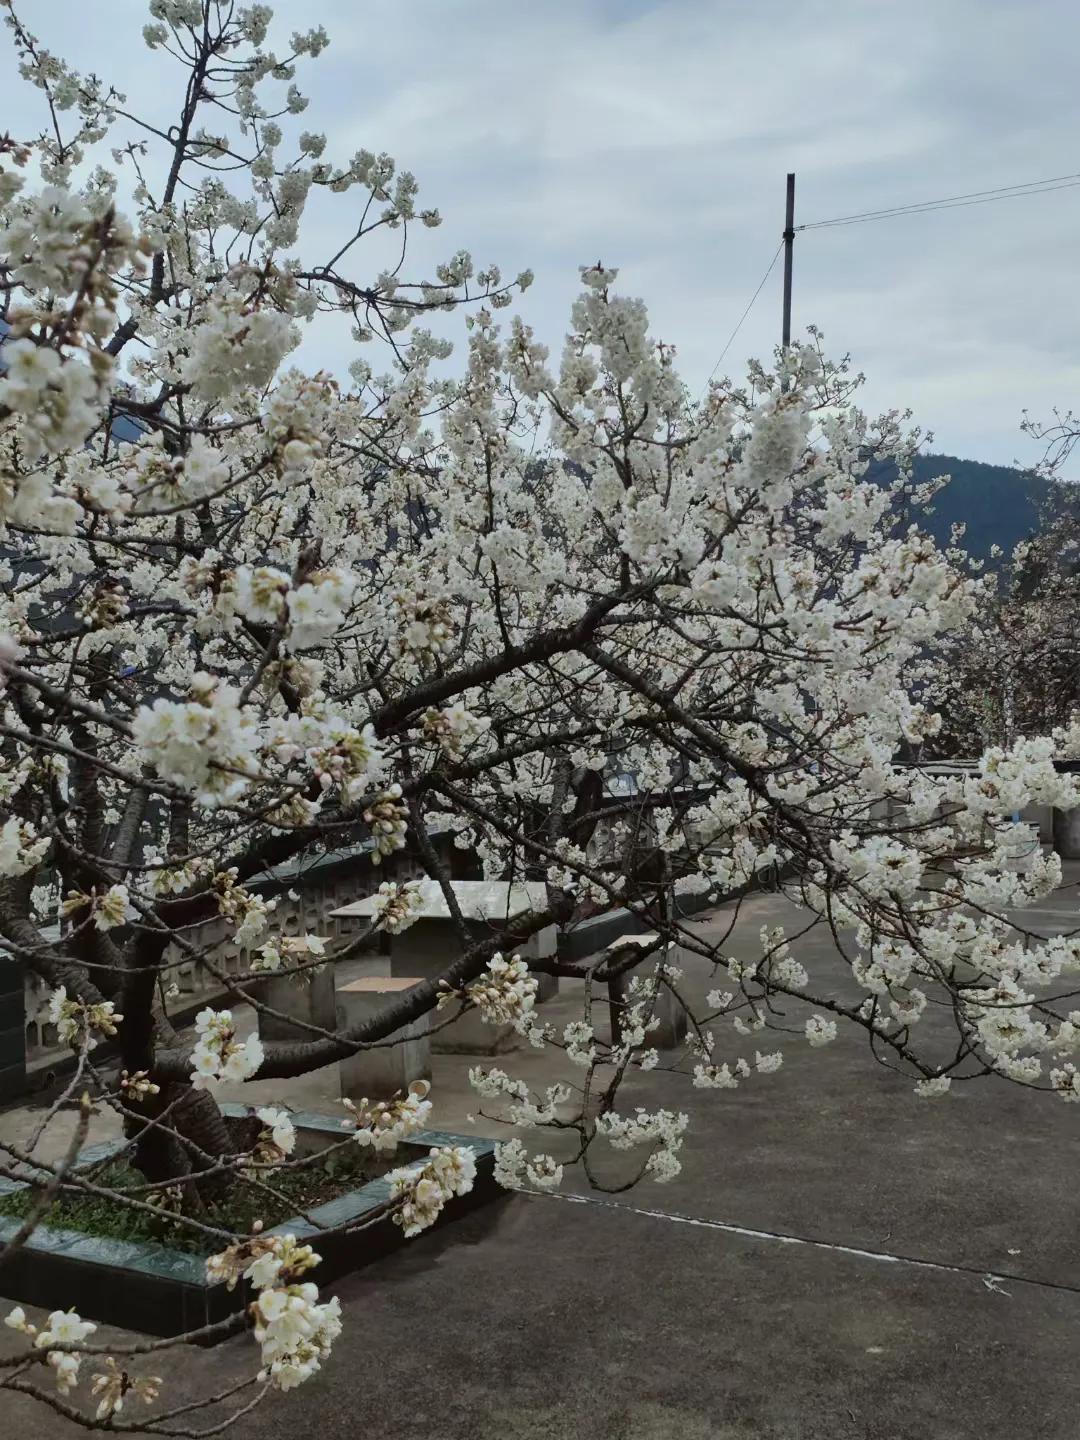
[{"x": 656, "y": 136}]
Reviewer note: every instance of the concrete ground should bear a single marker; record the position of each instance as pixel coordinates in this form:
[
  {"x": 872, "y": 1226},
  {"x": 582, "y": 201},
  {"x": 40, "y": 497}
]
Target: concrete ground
[{"x": 838, "y": 1261}]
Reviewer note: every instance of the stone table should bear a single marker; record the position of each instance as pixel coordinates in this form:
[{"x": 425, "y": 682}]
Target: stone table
[
  {"x": 309, "y": 996},
  {"x": 432, "y": 943}
]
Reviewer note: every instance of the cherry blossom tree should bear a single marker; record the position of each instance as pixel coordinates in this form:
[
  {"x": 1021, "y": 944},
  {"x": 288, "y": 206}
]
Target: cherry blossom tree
[
  {"x": 1011, "y": 669},
  {"x": 300, "y": 608}
]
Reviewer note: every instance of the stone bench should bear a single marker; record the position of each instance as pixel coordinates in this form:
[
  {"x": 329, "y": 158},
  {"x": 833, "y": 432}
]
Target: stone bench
[
  {"x": 378, "y": 1073},
  {"x": 671, "y": 1031}
]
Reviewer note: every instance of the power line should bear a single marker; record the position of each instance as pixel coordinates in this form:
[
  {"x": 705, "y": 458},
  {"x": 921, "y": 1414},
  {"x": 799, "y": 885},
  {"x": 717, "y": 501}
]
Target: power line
[
  {"x": 953, "y": 202},
  {"x": 742, "y": 317},
  {"x": 930, "y": 209},
  {"x": 922, "y": 207}
]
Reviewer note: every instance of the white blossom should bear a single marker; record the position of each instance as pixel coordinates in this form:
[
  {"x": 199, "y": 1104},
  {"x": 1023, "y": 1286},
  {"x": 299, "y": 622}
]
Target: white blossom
[
  {"x": 282, "y": 1132},
  {"x": 423, "y": 1191},
  {"x": 219, "y": 1054},
  {"x": 21, "y": 848},
  {"x": 381, "y": 1125},
  {"x": 820, "y": 1030}
]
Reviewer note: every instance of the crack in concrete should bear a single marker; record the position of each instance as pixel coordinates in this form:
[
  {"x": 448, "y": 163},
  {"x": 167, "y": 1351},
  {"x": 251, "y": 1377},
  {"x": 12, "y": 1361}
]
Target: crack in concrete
[{"x": 990, "y": 1278}]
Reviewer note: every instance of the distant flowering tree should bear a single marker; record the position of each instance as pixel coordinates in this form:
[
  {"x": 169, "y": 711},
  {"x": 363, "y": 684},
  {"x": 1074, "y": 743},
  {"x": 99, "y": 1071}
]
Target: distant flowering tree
[
  {"x": 1013, "y": 668},
  {"x": 302, "y": 608}
]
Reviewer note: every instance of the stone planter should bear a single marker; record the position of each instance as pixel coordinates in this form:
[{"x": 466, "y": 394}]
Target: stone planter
[{"x": 150, "y": 1287}]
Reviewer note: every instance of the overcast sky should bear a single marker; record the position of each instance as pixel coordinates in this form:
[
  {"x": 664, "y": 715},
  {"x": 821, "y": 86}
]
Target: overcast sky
[{"x": 655, "y": 135}]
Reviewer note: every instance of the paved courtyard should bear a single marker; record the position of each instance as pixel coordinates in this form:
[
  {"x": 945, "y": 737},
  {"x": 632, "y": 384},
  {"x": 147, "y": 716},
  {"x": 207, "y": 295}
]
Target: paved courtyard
[{"x": 839, "y": 1261}]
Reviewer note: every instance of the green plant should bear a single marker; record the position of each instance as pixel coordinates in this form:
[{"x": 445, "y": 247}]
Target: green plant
[{"x": 269, "y": 1196}]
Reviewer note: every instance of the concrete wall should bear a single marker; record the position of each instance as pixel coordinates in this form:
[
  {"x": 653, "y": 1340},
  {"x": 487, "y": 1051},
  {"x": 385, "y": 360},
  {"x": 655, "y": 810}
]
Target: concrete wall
[
  {"x": 12, "y": 1032},
  {"x": 30, "y": 1053}
]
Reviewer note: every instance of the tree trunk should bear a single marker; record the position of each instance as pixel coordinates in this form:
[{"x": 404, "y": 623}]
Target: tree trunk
[
  {"x": 164, "y": 1159},
  {"x": 197, "y": 1118}
]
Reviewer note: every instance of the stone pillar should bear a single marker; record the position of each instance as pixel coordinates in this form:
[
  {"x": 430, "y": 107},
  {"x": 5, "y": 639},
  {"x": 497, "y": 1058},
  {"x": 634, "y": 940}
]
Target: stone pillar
[
  {"x": 469, "y": 1034},
  {"x": 1067, "y": 834},
  {"x": 378, "y": 1073},
  {"x": 310, "y": 999},
  {"x": 1024, "y": 849},
  {"x": 428, "y": 946},
  {"x": 425, "y": 950},
  {"x": 671, "y": 1031},
  {"x": 542, "y": 946}
]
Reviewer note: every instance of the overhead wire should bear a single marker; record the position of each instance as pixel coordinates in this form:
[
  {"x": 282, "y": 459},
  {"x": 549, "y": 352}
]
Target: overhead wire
[
  {"x": 742, "y": 317},
  {"x": 952, "y": 202}
]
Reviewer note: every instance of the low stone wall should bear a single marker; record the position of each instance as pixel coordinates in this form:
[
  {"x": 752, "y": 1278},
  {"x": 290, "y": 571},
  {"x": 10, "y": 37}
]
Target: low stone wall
[
  {"x": 30, "y": 1055},
  {"x": 151, "y": 1287}
]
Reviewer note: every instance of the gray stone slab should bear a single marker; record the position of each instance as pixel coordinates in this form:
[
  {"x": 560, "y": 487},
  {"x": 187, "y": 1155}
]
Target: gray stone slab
[
  {"x": 392, "y": 1066},
  {"x": 578, "y": 1320},
  {"x": 310, "y": 1000},
  {"x": 1066, "y": 833}
]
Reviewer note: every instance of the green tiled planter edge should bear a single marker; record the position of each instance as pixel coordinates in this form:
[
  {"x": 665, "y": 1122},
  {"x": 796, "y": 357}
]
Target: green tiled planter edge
[{"x": 139, "y": 1285}]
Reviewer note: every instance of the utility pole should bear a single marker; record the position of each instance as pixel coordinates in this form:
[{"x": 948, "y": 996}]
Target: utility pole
[{"x": 789, "y": 246}]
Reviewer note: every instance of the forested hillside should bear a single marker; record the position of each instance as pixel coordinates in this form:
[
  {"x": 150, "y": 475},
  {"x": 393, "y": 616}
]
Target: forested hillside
[{"x": 1000, "y": 505}]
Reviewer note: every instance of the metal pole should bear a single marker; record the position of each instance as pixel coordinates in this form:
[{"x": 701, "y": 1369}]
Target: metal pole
[{"x": 789, "y": 246}]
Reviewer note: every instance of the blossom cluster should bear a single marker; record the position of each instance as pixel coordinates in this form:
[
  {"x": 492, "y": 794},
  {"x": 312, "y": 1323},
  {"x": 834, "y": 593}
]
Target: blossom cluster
[
  {"x": 423, "y": 1191},
  {"x": 65, "y": 1329},
  {"x": 662, "y": 1129},
  {"x": 710, "y": 1076},
  {"x": 515, "y": 1168},
  {"x": 522, "y": 1110},
  {"x": 455, "y": 728},
  {"x": 382, "y": 1124},
  {"x": 251, "y": 912},
  {"x": 219, "y": 1053},
  {"x": 289, "y": 950},
  {"x": 294, "y": 1330},
  {"x": 504, "y": 994},
  {"x": 396, "y": 907},
  {"x": 278, "y": 1137},
  {"x": 78, "y": 1023},
  {"x": 296, "y": 1333},
  {"x": 108, "y": 910},
  {"x": 21, "y": 848},
  {"x": 387, "y": 817},
  {"x": 206, "y": 745}
]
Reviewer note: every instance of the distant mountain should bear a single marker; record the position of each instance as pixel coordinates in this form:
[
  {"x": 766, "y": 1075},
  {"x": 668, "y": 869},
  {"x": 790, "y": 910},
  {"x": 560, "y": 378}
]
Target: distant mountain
[{"x": 999, "y": 504}]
